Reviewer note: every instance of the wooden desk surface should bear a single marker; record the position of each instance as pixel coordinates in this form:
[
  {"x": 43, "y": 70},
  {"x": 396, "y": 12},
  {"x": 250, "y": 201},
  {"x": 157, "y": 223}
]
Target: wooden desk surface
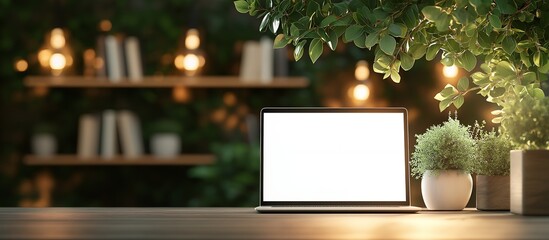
[{"x": 244, "y": 223}]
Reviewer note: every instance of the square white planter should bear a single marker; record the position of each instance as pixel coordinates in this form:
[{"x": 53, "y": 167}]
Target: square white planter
[{"x": 530, "y": 182}]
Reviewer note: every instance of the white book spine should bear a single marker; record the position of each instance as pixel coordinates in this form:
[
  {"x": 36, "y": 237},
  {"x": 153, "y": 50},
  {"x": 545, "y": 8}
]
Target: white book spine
[
  {"x": 108, "y": 134},
  {"x": 130, "y": 134},
  {"x": 88, "y": 136},
  {"x": 266, "y": 66},
  {"x": 250, "y": 64},
  {"x": 115, "y": 70},
  {"x": 133, "y": 59}
]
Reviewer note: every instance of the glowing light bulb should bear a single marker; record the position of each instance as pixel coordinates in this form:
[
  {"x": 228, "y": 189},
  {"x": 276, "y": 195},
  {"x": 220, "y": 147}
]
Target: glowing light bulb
[
  {"x": 181, "y": 94},
  {"x": 450, "y": 71},
  {"x": 361, "y": 92},
  {"x": 361, "y": 71},
  {"x": 44, "y": 57},
  {"x": 105, "y": 25},
  {"x": 192, "y": 40},
  {"x": 191, "y": 62},
  {"x": 57, "y": 38},
  {"x": 57, "y": 61},
  {"x": 21, "y": 65},
  {"x": 178, "y": 62}
]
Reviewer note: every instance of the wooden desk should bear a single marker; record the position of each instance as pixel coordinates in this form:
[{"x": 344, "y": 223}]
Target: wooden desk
[{"x": 244, "y": 223}]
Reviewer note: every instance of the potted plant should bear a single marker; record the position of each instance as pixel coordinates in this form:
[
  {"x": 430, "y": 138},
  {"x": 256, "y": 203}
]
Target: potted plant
[
  {"x": 165, "y": 142},
  {"x": 441, "y": 158},
  {"x": 491, "y": 164},
  {"x": 527, "y": 125},
  {"x": 509, "y": 36},
  {"x": 43, "y": 141}
]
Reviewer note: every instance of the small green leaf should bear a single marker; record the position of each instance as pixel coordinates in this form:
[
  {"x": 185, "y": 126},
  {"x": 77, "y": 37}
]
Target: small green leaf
[
  {"x": 398, "y": 29},
  {"x": 387, "y": 44},
  {"x": 328, "y": 20},
  {"x": 280, "y": 41},
  {"x": 494, "y": 21},
  {"x": 444, "y": 104},
  {"x": 537, "y": 58},
  {"x": 298, "y": 51},
  {"x": 538, "y": 93},
  {"x": 395, "y": 76},
  {"x": 333, "y": 39},
  {"x": 264, "y": 22},
  {"x": 407, "y": 61},
  {"x": 439, "y": 97},
  {"x": 505, "y": 69},
  {"x": 509, "y": 44},
  {"x": 497, "y": 120},
  {"x": 353, "y": 32},
  {"x": 497, "y": 92},
  {"x": 468, "y": 60},
  {"x": 432, "y": 13},
  {"x": 275, "y": 23},
  {"x": 315, "y": 49},
  {"x": 447, "y": 61},
  {"x": 463, "y": 84},
  {"x": 506, "y": 6},
  {"x": 417, "y": 50},
  {"x": 528, "y": 78},
  {"x": 432, "y": 52},
  {"x": 371, "y": 40},
  {"x": 242, "y": 6},
  {"x": 359, "y": 42},
  {"x": 459, "y": 101}
]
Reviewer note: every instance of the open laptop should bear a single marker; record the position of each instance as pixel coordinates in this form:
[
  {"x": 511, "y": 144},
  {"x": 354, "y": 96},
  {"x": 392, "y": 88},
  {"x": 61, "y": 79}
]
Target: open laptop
[{"x": 334, "y": 160}]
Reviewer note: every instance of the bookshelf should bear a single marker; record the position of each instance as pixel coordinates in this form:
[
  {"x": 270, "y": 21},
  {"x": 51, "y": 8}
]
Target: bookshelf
[
  {"x": 163, "y": 82},
  {"x": 147, "y": 160}
]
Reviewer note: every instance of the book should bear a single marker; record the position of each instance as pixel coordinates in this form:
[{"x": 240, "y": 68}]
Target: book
[
  {"x": 133, "y": 59},
  {"x": 114, "y": 59},
  {"x": 250, "y": 64},
  {"x": 131, "y": 140},
  {"x": 266, "y": 67},
  {"x": 88, "y": 136},
  {"x": 108, "y": 134}
]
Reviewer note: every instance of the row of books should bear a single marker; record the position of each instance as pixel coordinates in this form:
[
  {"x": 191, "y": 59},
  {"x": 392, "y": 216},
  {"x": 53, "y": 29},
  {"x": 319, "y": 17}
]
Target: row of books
[
  {"x": 121, "y": 58},
  {"x": 99, "y": 135},
  {"x": 260, "y": 62}
]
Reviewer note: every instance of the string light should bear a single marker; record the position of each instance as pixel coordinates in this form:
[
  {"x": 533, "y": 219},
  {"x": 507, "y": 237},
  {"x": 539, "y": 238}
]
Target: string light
[
  {"x": 190, "y": 59},
  {"x": 361, "y": 70},
  {"x": 361, "y": 92},
  {"x": 21, "y": 65}
]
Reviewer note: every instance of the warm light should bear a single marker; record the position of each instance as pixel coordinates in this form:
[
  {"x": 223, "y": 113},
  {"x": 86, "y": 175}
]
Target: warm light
[
  {"x": 57, "y": 61},
  {"x": 191, "y": 62},
  {"x": 21, "y": 65},
  {"x": 181, "y": 94},
  {"x": 99, "y": 63},
  {"x": 361, "y": 92},
  {"x": 229, "y": 99},
  {"x": 192, "y": 41},
  {"x": 179, "y": 62},
  {"x": 57, "y": 38},
  {"x": 450, "y": 71},
  {"x": 89, "y": 54},
  {"x": 69, "y": 60},
  {"x": 105, "y": 25},
  {"x": 361, "y": 71},
  {"x": 44, "y": 57}
]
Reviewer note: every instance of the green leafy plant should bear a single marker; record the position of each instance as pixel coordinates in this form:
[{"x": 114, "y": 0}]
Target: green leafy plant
[
  {"x": 527, "y": 124},
  {"x": 509, "y": 37},
  {"x": 448, "y": 146},
  {"x": 492, "y": 152}
]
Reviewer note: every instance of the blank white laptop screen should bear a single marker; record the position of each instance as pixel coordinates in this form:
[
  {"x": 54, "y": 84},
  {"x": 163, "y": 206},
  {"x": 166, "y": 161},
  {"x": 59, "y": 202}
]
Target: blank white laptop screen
[{"x": 334, "y": 156}]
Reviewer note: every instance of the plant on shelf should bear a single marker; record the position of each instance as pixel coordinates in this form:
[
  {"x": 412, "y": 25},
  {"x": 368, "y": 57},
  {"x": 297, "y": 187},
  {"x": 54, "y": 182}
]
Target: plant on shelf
[
  {"x": 491, "y": 164},
  {"x": 442, "y": 158},
  {"x": 527, "y": 126},
  {"x": 165, "y": 141},
  {"x": 509, "y": 37}
]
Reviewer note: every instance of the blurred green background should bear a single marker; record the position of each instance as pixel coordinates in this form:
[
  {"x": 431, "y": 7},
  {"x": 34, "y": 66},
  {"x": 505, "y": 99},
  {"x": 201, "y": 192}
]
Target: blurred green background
[{"x": 160, "y": 25}]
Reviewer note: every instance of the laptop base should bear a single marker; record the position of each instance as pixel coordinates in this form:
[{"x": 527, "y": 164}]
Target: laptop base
[{"x": 336, "y": 209}]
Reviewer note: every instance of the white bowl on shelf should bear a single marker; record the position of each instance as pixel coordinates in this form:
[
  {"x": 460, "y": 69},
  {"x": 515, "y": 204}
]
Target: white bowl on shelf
[{"x": 165, "y": 145}]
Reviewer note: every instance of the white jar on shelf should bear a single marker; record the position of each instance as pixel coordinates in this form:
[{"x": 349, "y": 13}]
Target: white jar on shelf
[
  {"x": 43, "y": 145},
  {"x": 165, "y": 145}
]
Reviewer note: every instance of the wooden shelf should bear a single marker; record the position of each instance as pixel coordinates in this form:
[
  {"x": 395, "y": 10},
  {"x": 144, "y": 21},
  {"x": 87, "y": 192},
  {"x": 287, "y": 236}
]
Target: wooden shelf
[
  {"x": 163, "y": 82},
  {"x": 73, "y": 160}
]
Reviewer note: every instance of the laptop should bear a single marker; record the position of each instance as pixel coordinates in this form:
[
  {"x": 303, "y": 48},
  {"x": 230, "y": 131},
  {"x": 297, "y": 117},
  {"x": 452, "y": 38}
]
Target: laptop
[{"x": 334, "y": 160}]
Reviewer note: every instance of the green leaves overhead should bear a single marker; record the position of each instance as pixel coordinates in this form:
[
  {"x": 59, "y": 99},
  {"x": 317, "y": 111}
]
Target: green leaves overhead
[
  {"x": 387, "y": 44},
  {"x": 508, "y": 39},
  {"x": 315, "y": 49}
]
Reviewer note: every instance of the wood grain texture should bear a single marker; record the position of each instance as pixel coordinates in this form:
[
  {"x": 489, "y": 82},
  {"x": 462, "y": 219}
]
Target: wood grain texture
[
  {"x": 493, "y": 192},
  {"x": 530, "y": 182},
  {"x": 73, "y": 160},
  {"x": 163, "y": 82},
  {"x": 244, "y": 223}
]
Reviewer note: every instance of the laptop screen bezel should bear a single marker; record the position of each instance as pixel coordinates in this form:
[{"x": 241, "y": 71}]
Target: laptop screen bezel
[{"x": 337, "y": 110}]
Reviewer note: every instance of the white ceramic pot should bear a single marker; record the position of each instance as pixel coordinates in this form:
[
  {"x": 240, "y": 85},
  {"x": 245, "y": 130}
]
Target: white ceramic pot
[
  {"x": 446, "y": 190},
  {"x": 165, "y": 145},
  {"x": 43, "y": 145}
]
